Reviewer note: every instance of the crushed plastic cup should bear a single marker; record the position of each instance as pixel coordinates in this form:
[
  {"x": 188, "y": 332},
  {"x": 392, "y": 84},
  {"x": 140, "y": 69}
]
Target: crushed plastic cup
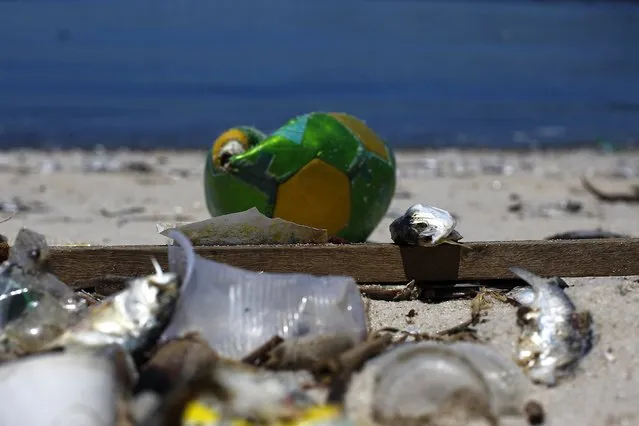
[
  {"x": 428, "y": 380},
  {"x": 237, "y": 310},
  {"x": 58, "y": 389}
]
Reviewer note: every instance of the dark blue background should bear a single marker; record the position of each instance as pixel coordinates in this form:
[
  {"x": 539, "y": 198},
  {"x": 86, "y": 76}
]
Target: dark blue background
[{"x": 167, "y": 73}]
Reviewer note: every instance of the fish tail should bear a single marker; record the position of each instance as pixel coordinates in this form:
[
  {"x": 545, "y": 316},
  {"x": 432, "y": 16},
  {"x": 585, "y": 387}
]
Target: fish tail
[
  {"x": 533, "y": 280},
  {"x": 455, "y": 243}
]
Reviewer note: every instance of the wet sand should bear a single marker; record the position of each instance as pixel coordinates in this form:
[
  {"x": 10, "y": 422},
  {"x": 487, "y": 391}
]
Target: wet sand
[{"x": 495, "y": 196}]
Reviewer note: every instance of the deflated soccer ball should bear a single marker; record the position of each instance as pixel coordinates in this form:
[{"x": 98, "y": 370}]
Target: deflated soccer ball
[{"x": 325, "y": 170}]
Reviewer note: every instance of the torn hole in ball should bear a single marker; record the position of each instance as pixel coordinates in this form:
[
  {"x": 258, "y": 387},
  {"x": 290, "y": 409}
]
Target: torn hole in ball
[{"x": 227, "y": 151}]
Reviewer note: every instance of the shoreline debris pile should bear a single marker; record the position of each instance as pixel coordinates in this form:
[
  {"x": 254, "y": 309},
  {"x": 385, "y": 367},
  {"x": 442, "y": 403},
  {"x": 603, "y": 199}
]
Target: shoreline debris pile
[{"x": 206, "y": 344}]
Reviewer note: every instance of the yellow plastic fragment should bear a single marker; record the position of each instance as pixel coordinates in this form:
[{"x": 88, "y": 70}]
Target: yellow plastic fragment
[{"x": 198, "y": 414}]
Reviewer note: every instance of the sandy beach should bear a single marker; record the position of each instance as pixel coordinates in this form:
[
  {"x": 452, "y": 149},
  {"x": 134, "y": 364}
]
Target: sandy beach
[{"x": 117, "y": 198}]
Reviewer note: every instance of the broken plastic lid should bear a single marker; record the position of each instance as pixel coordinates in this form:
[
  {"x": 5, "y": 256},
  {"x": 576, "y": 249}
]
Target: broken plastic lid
[{"x": 237, "y": 310}]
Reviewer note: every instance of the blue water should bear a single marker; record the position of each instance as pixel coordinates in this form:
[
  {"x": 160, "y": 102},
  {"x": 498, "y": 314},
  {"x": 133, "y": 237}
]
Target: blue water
[{"x": 163, "y": 73}]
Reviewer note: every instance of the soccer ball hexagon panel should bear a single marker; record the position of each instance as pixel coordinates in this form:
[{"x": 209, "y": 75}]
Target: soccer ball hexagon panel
[{"x": 326, "y": 170}]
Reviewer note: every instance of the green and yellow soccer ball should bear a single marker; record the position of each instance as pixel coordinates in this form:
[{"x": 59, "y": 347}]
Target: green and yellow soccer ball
[{"x": 325, "y": 170}]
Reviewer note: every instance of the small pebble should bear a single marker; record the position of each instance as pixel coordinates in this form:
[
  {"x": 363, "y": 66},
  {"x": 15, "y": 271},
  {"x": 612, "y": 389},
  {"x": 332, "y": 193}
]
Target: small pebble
[
  {"x": 610, "y": 357},
  {"x": 534, "y": 413}
]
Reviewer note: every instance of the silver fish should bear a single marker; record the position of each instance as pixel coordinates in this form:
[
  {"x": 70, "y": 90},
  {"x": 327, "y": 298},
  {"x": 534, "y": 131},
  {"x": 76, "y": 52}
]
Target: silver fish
[
  {"x": 554, "y": 336},
  {"x": 130, "y": 318},
  {"x": 424, "y": 225}
]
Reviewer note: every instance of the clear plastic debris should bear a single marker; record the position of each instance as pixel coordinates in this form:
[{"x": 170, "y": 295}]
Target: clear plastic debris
[
  {"x": 58, "y": 389},
  {"x": 247, "y": 227},
  {"x": 508, "y": 384},
  {"x": 437, "y": 383},
  {"x": 41, "y": 321},
  {"x": 35, "y": 306},
  {"x": 237, "y": 311}
]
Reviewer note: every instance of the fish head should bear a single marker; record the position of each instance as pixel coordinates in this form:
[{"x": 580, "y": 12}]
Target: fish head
[
  {"x": 165, "y": 282},
  {"x": 424, "y": 225},
  {"x": 156, "y": 290}
]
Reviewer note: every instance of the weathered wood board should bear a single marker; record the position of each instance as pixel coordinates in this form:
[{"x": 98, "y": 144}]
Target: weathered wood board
[{"x": 373, "y": 263}]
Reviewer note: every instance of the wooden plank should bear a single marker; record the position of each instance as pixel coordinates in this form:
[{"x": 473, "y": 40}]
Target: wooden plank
[{"x": 375, "y": 262}]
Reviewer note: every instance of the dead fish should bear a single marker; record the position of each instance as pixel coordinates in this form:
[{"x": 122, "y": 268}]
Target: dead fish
[
  {"x": 131, "y": 318},
  {"x": 424, "y": 225},
  {"x": 554, "y": 336}
]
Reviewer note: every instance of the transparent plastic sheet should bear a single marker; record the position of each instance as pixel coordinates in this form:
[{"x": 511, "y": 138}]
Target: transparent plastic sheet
[
  {"x": 237, "y": 310},
  {"x": 246, "y": 227}
]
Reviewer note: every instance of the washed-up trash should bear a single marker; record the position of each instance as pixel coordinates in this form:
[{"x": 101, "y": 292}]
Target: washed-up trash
[
  {"x": 100, "y": 161},
  {"x": 424, "y": 225},
  {"x": 28, "y": 265},
  {"x": 132, "y": 318},
  {"x": 310, "y": 351},
  {"x": 223, "y": 391},
  {"x": 240, "y": 391},
  {"x": 19, "y": 205},
  {"x": 586, "y": 234},
  {"x": 41, "y": 321},
  {"x": 58, "y": 389},
  {"x": 237, "y": 311},
  {"x": 35, "y": 306},
  {"x": 631, "y": 196},
  {"x": 198, "y": 414},
  {"x": 247, "y": 227},
  {"x": 173, "y": 360},
  {"x": 561, "y": 207},
  {"x": 431, "y": 383},
  {"x": 566, "y": 207},
  {"x": 554, "y": 336},
  {"x": 325, "y": 170}
]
